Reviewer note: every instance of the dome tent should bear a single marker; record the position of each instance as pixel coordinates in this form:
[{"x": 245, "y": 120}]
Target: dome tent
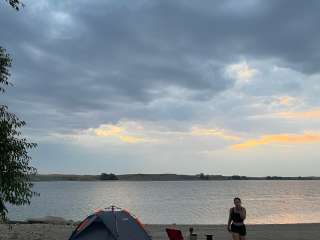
[{"x": 110, "y": 224}]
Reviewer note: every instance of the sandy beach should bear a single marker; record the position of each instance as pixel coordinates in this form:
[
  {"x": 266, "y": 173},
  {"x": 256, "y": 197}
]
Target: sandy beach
[{"x": 257, "y": 232}]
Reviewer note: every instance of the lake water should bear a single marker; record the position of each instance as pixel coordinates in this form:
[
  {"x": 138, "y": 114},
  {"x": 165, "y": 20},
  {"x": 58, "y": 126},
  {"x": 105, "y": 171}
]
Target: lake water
[{"x": 188, "y": 202}]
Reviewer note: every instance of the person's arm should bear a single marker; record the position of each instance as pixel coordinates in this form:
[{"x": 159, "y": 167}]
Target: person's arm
[
  {"x": 243, "y": 213},
  {"x": 229, "y": 220}
]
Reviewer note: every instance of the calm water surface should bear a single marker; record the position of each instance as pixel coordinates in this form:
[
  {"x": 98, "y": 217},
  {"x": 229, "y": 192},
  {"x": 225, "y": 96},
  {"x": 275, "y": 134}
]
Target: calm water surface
[{"x": 201, "y": 202}]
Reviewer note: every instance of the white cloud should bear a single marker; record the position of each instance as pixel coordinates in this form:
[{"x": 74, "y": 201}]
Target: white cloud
[
  {"x": 216, "y": 132},
  {"x": 241, "y": 72}
]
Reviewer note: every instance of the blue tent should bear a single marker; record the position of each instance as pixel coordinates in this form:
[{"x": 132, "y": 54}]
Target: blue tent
[{"x": 110, "y": 224}]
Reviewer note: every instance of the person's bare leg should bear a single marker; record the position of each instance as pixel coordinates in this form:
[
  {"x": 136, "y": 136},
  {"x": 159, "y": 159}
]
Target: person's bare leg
[
  {"x": 235, "y": 236},
  {"x": 242, "y": 237}
]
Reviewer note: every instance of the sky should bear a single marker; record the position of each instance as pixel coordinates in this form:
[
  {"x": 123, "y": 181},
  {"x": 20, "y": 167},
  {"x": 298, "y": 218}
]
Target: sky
[{"x": 161, "y": 86}]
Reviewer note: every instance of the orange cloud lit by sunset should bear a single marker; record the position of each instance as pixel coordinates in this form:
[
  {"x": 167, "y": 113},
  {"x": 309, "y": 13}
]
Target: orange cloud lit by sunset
[
  {"x": 306, "y": 137},
  {"x": 315, "y": 113},
  {"x": 200, "y": 131},
  {"x": 107, "y": 130}
]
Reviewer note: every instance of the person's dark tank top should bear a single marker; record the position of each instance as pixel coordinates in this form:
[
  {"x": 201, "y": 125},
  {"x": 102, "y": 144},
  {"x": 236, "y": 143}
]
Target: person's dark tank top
[{"x": 236, "y": 216}]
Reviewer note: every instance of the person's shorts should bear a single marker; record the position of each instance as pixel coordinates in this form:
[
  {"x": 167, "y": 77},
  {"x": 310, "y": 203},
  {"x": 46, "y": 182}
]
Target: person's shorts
[{"x": 241, "y": 229}]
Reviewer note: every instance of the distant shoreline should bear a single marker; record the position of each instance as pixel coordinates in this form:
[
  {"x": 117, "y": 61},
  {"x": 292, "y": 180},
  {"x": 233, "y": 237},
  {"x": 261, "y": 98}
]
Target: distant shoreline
[{"x": 157, "y": 177}]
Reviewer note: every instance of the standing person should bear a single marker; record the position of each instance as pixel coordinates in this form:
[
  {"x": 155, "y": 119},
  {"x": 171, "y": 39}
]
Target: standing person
[{"x": 237, "y": 215}]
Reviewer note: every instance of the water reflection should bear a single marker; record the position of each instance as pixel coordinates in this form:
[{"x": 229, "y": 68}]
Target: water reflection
[{"x": 202, "y": 202}]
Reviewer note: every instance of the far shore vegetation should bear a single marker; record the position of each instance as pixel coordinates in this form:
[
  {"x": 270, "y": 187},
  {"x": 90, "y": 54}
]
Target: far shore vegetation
[{"x": 157, "y": 177}]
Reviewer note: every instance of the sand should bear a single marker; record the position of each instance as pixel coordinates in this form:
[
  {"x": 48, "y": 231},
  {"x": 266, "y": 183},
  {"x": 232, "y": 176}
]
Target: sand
[{"x": 256, "y": 232}]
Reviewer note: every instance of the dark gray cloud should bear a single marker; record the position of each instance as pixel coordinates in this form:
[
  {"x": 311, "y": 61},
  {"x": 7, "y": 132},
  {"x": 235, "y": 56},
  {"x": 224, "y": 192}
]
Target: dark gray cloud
[{"x": 101, "y": 61}]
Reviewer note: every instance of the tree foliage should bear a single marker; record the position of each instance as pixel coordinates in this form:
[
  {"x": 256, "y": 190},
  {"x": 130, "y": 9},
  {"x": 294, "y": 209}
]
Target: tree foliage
[
  {"x": 5, "y": 64},
  {"x": 15, "y": 169},
  {"x": 105, "y": 176},
  {"x": 16, "y": 4},
  {"x": 202, "y": 176}
]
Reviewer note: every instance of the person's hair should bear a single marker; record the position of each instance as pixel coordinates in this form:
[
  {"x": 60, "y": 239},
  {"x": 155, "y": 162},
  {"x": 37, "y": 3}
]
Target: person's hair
[{"x": 237, "y": 198}]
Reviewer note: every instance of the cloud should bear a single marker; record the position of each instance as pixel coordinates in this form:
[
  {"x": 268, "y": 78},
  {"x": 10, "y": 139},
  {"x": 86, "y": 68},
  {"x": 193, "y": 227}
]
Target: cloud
[
  {"x": 240, "y": 71},
  {"x": 307, "y": 137},
  {"x": 130, "y": 139},
  {"x": 125, "y": 131},
  {"x": 285, "y": 100},
  {"x": 145, "y": 132},
  {"x": 109, "y": 130},
  {"x": 199, "y": 131},
  {"x": 143, "y": 46},
  {"x": 311, "y": 114},
  {"x": 83, "y": 65}
]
